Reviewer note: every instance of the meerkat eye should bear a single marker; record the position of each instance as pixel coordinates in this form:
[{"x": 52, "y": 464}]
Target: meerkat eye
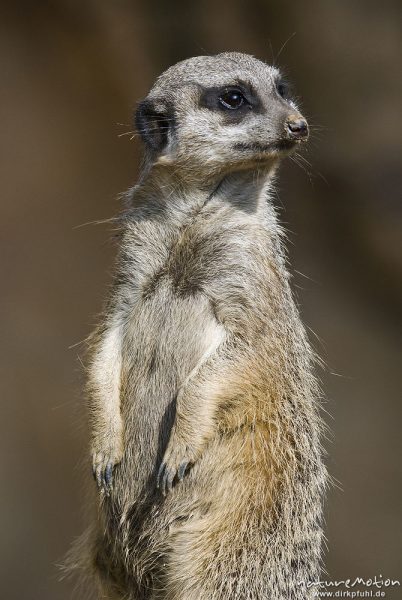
[
  {"x": 231, "y": 99},
  {"x": 282, "y": 88}
]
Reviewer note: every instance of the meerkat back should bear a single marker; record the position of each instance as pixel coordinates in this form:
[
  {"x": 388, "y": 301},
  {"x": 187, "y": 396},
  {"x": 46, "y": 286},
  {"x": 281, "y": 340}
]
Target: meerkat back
[{"x": 203, "y": 406}]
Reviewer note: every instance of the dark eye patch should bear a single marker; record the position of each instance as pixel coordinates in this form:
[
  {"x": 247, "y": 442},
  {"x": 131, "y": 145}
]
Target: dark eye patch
[{"x": 234, "y": 101}]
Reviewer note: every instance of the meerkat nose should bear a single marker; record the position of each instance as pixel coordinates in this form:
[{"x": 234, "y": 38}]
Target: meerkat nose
[{"x": 296, "y": 128}]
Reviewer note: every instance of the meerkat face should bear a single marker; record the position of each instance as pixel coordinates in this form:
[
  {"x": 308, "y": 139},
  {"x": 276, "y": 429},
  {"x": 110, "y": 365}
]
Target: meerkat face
[{"x": 216, "y": 113}]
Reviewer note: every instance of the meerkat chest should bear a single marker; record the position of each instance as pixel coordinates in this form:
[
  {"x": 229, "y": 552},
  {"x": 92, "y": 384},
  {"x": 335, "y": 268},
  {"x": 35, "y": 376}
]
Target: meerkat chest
[{"x": 216, "y": 250}]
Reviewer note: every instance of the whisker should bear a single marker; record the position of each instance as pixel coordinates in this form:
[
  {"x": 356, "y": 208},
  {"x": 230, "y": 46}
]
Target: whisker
[
  {"x": 284, "y": 46},
  {"x": 132, "y": 133},
  {"x": 305, "y": 276},
  {"x": 98, "y": 222},
  {"x": 295, "y": 160},
  {"x": 302, "y": 161}
]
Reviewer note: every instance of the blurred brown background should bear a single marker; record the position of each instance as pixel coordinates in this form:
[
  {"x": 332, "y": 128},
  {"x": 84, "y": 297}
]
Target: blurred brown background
[{"x": 71, "y": 73}]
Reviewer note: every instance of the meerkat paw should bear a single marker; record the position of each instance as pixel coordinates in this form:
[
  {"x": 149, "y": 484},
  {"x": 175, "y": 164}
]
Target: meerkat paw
[
  {"x": 177, "y": 460},
  {"x": 103, "y": 464}
]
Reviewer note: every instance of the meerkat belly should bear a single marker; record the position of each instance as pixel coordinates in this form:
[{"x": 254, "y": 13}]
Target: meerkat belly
[{"x": 167, "y": 337}]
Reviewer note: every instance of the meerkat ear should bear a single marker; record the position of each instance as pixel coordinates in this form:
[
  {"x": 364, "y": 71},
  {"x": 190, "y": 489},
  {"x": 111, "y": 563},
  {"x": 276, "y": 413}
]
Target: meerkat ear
[{"x": 153, "y": 121}]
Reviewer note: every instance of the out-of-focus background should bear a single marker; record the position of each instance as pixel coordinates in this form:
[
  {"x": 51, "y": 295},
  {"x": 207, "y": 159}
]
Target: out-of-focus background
[{"x": 71, "y": 74}]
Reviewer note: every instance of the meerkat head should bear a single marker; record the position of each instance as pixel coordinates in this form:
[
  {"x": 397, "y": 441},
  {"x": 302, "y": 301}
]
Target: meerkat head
[{"x": 219, "y": 113}]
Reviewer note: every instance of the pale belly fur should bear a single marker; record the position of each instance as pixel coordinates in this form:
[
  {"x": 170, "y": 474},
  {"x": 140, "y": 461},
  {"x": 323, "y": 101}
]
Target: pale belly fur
[{"x": 167, "y": 338}]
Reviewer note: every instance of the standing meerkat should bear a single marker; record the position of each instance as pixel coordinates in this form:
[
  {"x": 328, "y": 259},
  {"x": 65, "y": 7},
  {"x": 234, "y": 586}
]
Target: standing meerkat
[{"x": 202, "y": 400}]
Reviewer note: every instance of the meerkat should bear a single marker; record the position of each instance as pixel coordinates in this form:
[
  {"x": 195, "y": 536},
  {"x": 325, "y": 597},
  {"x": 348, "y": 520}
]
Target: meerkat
[{"x": 203, "y": 404}]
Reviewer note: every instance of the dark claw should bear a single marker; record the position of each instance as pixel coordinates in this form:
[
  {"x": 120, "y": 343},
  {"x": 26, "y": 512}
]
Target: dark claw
[
  {"x": 103, "y": 476},
  {"x": 105, "y": 485},
  {"x": 109, "y": 475},
  {"x": 166, "y": 476},
  {"x": 164, "y": 480},
  {"x": 168, "y": 481},
  {"x": 182, "y": 470},
  {"x": 158, "y": 477}
]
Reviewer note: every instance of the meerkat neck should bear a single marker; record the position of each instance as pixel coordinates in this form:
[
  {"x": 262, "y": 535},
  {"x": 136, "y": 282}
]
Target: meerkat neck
[
  {"x": 247, "y": 190},
  {"x": 244, "y": 189}
]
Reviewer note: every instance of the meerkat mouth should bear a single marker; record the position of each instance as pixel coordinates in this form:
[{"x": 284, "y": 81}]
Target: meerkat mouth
[{"x": 280, "y": 146}]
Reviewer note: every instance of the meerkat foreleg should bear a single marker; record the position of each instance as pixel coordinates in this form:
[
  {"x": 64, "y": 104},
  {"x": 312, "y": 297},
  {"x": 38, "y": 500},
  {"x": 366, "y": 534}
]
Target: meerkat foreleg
[
  {"x": 196, "y": 406},
  {"x": 104, "y": 405}
]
